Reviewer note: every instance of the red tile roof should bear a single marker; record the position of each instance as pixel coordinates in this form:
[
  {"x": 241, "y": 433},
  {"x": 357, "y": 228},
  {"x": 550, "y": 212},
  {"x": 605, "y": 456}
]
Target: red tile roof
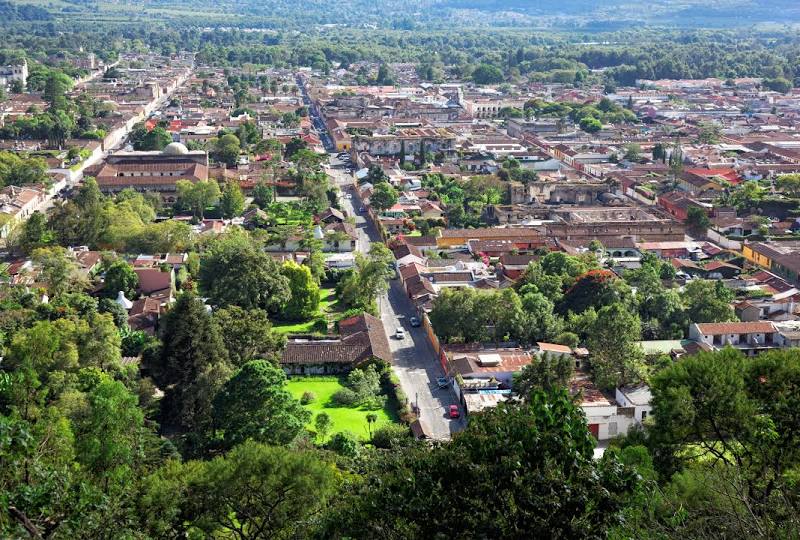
[{"x": 754, "y": 327}]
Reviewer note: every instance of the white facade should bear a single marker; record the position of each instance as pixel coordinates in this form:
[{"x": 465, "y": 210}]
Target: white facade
[{"x": 637, "y": 397}]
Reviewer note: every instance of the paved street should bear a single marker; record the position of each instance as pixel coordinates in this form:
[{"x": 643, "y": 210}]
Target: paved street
[{"x": 415, "y": 362}]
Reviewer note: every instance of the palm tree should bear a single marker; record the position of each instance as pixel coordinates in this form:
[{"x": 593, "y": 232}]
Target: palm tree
[{"x": 371, "y": 419}]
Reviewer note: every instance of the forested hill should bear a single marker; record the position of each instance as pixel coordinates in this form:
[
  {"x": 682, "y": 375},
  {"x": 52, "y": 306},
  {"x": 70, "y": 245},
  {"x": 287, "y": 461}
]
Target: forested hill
[{"x": 416, "y": 14}]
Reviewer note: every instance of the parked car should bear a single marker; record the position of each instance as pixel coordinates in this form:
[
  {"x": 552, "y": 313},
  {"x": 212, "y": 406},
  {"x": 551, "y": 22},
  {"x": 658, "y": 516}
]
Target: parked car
[
  {"x": 348, "y": 196},
  {"x": 362, "y": 210},
  {"x": 454, "y": 412},
  {"x": 400, "y": 333},
  {"x": 442, "y": 382},
  {"x": 415, "y": 322}
]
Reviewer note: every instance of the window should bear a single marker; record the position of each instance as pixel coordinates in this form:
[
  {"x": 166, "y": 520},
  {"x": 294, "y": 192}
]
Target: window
[{"x": 644, "y": 415}]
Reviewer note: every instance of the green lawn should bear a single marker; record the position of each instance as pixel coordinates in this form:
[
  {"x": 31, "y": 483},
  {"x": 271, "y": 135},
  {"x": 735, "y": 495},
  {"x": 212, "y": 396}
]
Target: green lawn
[
  {"x": 327, "y": 300},
  {"x": 342, "y": 418},
  {"x": 293, "y": 327}
]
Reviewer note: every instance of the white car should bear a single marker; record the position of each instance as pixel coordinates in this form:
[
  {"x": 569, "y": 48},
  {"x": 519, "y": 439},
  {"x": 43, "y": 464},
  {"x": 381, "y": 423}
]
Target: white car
[{"x": 400, "y": 333}]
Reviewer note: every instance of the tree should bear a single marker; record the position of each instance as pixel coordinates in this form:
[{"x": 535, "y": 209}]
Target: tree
[
  {"x": 35, "y": 233},
  {"x": 676, "y": 161},
  {"x": 541, "y": 322},
  {"x": 383, "y": 197},
  {"x": 81, "y": 220},
  {"x": 258, "y": 492},
  {"x": 118, "y": 313},
  {"x": 697, "y": 220},
  {"x": 304, "y": 300},
  {"x": 119, "y": 276},
  {"x": 617, "y": 359},
  {"x": 709, "y": 133},
  {"x": 384, "y": 77},
  {"x": 633, "y": 152},
  {"x": 55, "y": 90},
  {"x": 487, "y": 74},
  {"x": 18, "y": 171},
  {"x": 190, "y": 366},
  {"x": 725, "y": 424},
  {"x": 154, "y": 140},
  {"x": 322, "y": 423},
  {"x": 595, "y": 288},
  {"x": 535, "y": 458},
  {"x": 247, "y": 334},
  {"x": 109, "y": 432},
  {"x": 659, "y": 152},
  {"x": 254, "y": 404},
  {"x": 360, "y": 288},
  {"x": 226, "y": 149},
  {"x": 590, "y": 124},
  {"x": 59, "y": 270},
  {"x": 234, "y": 273},
  {"x": 263, "y": 194},
  {"x": 708, "y": 301},
  {"x": 546, "y": 372},
  {"x": 789, "y": 184},
  {"x": 371, "y": 419},
  {"x": 293, "y": 146},
  {"x": 472, "y": 316},
  {"x": 198, "y": 195},
  {"x": 232, "y": 201},
  {"x": 778, "y": 84}
]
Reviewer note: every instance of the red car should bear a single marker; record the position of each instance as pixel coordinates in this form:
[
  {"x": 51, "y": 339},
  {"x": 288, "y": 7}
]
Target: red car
[{"x": 454, "y": 411}]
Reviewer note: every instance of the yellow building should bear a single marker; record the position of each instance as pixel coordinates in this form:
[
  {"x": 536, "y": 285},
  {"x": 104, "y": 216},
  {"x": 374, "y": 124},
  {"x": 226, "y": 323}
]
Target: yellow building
[{"x": 755, "y": 257}]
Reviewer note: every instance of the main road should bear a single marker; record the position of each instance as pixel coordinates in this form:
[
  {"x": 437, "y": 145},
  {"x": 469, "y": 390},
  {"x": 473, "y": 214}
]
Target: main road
[{"x": 415, "y": 361}]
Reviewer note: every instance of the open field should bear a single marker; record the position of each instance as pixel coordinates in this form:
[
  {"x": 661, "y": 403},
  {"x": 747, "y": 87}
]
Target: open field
[{"x": 352, "y": 419}]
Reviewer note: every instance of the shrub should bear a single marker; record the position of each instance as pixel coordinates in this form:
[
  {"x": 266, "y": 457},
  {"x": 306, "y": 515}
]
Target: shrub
[
  {"x": 374, "y": 403},
  {"x": 308, "y": 397},
  {"x": 366, "y": 383},
  {"x": 390, "y": 435},
  {"x": 320, "y": 326},
  {"x": 345, "y": 398},
  {"x": 345, "y": 444}
]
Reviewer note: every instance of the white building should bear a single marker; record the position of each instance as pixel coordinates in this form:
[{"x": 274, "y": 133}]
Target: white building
[
  {"x": 17, "y": 204},
  {"x": 14, "y": 72},
  {"x": 638, "y": 397}
]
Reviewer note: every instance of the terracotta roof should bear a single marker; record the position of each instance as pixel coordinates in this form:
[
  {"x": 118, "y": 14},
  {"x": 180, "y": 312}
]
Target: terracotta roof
[
  {"x": 450, "y": 277},
  {"x": 363, "y": 337},
  {"x": 554, "y": 347},
  {"x": 408, "y": 271},
  {"x": 152, "y": 280},
  {"x": 405, "y": 250},
  {"x": 715, "y": 265},
  {"x": 418, "y": 285},
  {"x": 419, "y": 240},
  {"x": 487, "y": 232},
  {"x": 331, "y": 213},
  {"x": 508, "y": 260},
  {"x": 754, "y": 327}
]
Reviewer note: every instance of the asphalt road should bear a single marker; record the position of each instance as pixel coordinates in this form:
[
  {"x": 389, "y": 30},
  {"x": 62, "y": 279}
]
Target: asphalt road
[{"x": 415, "y": 362}]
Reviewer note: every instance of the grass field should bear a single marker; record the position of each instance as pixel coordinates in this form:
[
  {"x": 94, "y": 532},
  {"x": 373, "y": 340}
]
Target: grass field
[
  {"x": 293, "y": 327},
  {"x": 342, "y": 418}
]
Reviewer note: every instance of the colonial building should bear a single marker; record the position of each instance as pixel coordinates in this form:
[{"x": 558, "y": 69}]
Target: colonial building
[
  {"x": 153, "y": 171},
  {"x": 362, "y": 338}
]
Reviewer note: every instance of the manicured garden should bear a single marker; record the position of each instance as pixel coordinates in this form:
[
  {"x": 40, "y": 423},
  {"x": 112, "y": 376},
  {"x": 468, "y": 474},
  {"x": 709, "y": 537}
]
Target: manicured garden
[{"x": 343, "y": 418}]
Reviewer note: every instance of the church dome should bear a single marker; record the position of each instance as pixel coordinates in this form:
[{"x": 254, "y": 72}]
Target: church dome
[{"x": 175, "y": 149}]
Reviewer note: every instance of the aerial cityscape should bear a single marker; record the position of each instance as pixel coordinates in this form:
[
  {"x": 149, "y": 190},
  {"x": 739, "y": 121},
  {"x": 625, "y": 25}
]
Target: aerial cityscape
[{"x": 431, "y": 269}]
